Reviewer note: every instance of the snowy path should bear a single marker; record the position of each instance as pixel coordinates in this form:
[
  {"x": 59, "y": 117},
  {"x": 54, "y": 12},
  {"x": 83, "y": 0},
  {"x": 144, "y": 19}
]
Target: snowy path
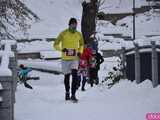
[
  {"x": 47, "y": 102},
  {"x": 125, "y": 101}
]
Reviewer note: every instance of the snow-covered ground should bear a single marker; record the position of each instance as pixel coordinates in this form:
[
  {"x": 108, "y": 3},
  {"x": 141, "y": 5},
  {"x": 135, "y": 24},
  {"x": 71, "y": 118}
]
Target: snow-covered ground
[{"x": 126, "y": 100}]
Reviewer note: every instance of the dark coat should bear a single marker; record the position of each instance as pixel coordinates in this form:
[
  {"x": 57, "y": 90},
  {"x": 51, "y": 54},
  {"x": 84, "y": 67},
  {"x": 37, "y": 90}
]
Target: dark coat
[{"x": 99, "y": 60}]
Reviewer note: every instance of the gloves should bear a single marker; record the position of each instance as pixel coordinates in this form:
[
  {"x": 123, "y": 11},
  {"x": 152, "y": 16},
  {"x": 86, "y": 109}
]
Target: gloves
[
  {"x": 78, "y": 54},
  {"x": 64, "y": 50}
]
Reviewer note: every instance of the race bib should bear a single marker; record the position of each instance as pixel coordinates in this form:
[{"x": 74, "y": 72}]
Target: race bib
[{"x": 71, "y": 52}]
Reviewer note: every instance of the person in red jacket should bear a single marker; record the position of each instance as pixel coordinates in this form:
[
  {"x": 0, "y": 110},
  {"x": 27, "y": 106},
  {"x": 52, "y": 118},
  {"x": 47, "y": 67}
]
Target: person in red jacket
[
  {"x": 83, "y": 66},
  {"x": 94, "y": 67}
]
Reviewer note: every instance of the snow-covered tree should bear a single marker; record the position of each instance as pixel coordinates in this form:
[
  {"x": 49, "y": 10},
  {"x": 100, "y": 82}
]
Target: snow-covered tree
[
  {"x": 14, "y": 15},
  {"x": 89, "y": 18}
]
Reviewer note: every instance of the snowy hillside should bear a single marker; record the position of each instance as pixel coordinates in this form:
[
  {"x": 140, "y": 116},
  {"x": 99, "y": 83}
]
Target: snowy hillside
[
  {"x": 146, "y": 24},
  {"x": 55, "y": 14},
  {"x": 120, "y": 6}
]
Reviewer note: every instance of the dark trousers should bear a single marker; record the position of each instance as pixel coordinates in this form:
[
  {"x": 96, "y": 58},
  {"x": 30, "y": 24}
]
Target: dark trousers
[
  {"x": 83, "y": 80},
  {"x": 74, "y": 82},
  {"x": 27, "y": 85},
  {"x": 25, "y": 79},
  {"x": 93, "y": 72}
]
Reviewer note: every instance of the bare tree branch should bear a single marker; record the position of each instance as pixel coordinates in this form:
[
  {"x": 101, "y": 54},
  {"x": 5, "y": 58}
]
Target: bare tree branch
[{"x": 14, "y": 13}]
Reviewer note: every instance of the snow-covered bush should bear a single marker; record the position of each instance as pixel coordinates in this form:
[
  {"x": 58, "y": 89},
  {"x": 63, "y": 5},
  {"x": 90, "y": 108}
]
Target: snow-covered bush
[{"x": 115, "y": 75}]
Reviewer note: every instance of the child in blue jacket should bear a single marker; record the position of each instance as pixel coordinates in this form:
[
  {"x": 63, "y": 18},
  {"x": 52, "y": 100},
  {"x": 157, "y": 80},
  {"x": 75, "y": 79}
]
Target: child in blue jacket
[{"x": 23, "y": 75}]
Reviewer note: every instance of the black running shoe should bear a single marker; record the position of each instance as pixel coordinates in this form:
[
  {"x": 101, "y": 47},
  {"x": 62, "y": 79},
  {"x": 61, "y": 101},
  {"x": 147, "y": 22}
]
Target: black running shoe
[
  {"x": 83, "y": 89},
  {"x": 74, "y": 99},
  {"x": 67, "y": 96}
]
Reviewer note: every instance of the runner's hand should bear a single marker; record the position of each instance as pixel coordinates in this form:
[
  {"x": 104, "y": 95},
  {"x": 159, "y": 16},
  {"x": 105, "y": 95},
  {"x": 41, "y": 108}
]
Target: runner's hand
[
  {"x": 78, "y": 54},
  {"x": 64, "y": 50}
]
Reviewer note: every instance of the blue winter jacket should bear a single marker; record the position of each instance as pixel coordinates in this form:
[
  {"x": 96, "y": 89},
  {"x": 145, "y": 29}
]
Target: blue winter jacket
[{"x": 24, "y": 72}]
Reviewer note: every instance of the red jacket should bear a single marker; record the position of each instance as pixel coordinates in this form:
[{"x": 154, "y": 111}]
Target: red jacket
[{"x": 85, "y": 57}]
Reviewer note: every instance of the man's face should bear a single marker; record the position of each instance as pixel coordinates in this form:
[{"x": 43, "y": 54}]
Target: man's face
[{"x": 73, "y": 26}]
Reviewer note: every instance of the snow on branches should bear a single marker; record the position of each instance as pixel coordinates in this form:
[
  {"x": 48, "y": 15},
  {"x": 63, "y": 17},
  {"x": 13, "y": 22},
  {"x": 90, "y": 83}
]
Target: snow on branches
[{"x": 14, "y": 15}]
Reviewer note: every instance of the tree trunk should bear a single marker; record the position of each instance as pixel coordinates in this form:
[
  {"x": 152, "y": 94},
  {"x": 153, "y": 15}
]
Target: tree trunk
[{"x": 88, "y": 23}]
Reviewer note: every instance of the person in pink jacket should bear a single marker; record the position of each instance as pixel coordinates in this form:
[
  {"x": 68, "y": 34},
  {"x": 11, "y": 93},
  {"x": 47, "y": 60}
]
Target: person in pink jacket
[{"x": 83, "y": 67}]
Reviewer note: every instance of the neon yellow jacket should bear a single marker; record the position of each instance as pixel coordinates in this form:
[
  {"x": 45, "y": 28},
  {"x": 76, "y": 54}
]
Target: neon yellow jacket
[{"x": 69, "y": 40}]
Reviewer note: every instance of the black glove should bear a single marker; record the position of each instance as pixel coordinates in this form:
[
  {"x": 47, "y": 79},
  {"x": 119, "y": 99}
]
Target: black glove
[
  {"x": 78, "y": 54},
  {"x": 64, "y": 50}
]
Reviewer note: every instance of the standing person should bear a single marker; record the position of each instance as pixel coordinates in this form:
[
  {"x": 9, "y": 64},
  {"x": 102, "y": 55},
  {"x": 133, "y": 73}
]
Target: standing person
[
  {"x": 70, "y": 43},
  {"x": 83, "y": 66},
  {"x": 95, "y": 62},
  {"x": 99, "y": 61},
  {"x": 92, "y": 69}
]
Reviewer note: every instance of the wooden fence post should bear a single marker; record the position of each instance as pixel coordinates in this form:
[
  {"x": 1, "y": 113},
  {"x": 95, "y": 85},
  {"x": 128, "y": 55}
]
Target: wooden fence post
[
  {"x": 124, "y": 62},
  {"x": 154, "y": 64},
  {"x": 137, "y": 64}
]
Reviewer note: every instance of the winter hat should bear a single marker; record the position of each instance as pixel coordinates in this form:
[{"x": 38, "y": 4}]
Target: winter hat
[
  {"x": 21, "y": 66},
  {"x": 72, "y": 20}
]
